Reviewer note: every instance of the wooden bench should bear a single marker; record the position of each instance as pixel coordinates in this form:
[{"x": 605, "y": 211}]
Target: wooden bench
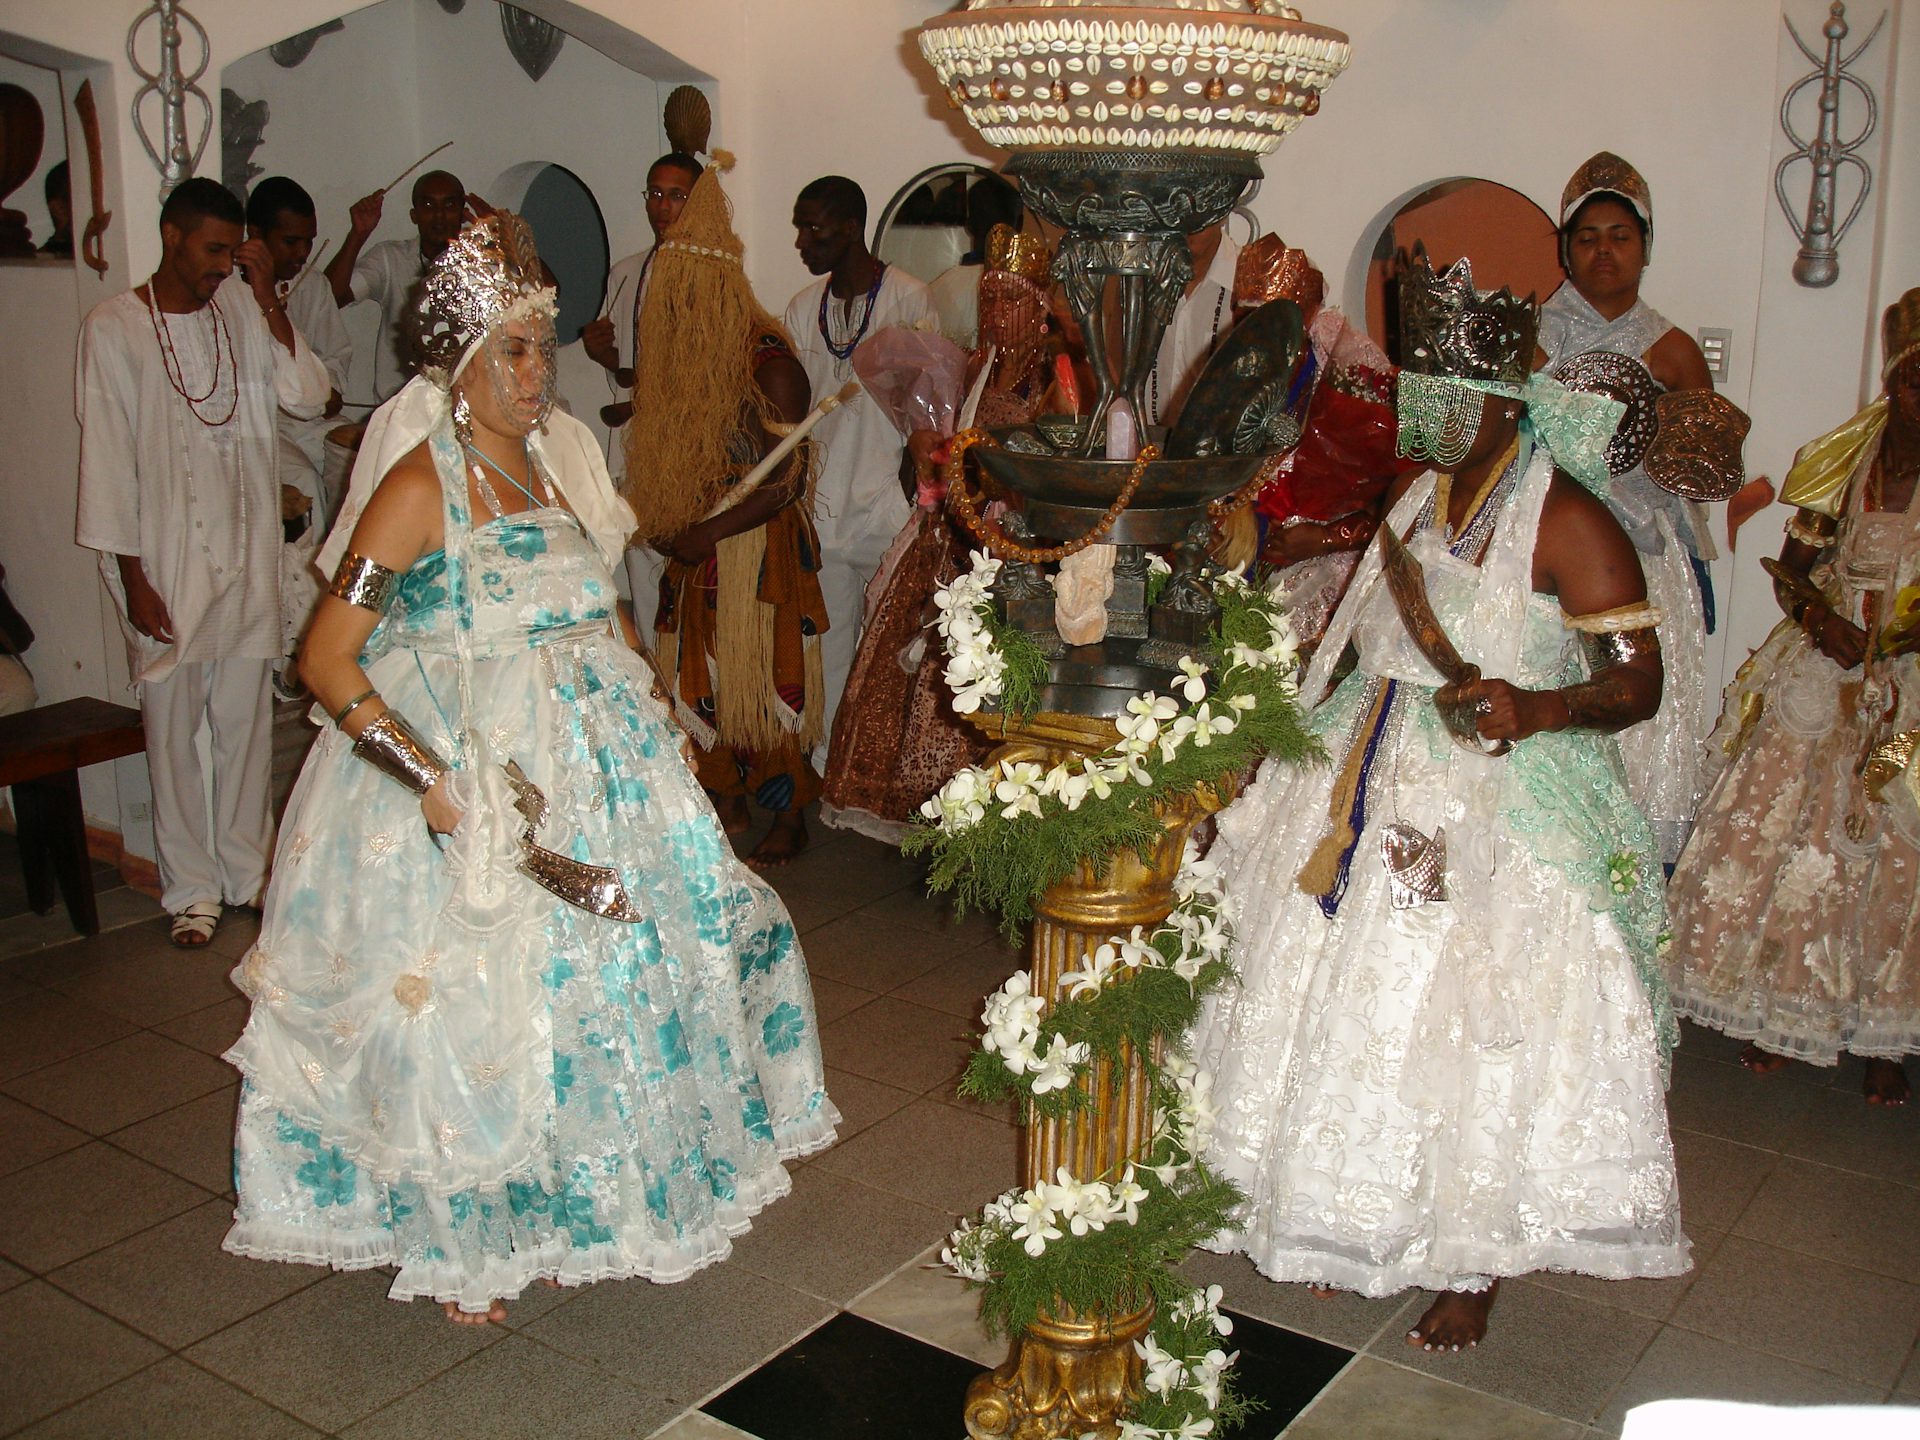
[{"x": 41, "y": 753}]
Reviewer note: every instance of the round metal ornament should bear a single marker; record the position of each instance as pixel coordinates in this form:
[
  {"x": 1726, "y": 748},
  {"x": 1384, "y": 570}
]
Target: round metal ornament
[{"x": 1623, "y": 378}]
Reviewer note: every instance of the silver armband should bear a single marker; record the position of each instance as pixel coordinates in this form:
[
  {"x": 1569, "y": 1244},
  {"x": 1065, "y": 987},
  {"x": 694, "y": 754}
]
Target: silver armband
[
  {"x": 391, "y": 747},
  {"x": 1617, "y": 647},
  {"x": 363, "y": 582}
]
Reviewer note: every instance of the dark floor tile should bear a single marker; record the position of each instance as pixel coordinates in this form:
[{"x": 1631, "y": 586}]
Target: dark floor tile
[
  {"x": 58, "y": 1351},
  {"x": 170, "y": 1401},
  {"x": 140, "y": 976},
  {"x": 118, "y": 1084},
  {"x": 1718, "y": 1179},
  {"x": 517, "y": 1389},
  {"x": 1840, "y": 1129},
  {"x": 194, "y": 1140},
  {"x": 41, "y": 1028},
  {"x": 1838, "y": 1215},
  {"x": 1680, "y": 1364},
  {"x": 27, "y": 1136},
  {"x": 639, "y": 1330},
  {"x": 834, "y": 1237},
  {"x": 339, "y": 1350},
  {"x": 211, "y": 1031},
  {"x": 175, "y": 1284},
  {"x": 1375, "y": 1400},
  {"x": 1733, "y": 1103},
  {"x": 934, "y": 1154},
  {"x": 900, "y": 1044},
  {"x": 861, "y": 1102},
  {"x": 853, "y": 1380},
  {"x": 83, "y": 1201}
]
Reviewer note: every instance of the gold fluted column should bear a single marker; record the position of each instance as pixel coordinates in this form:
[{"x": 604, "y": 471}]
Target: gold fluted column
[{"x": 1071, "y": 1375}]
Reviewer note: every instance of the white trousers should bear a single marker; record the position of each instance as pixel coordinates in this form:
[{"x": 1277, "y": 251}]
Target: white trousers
[
  {"x": 843, "y": 585},
  {"x": 229, "y": 861},
  {"x": 645, "y": 566}
]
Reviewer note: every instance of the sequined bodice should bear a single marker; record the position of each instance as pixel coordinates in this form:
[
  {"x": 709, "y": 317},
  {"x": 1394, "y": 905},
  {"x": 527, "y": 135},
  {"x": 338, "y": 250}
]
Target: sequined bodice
[{"x": 536, "y": 578}]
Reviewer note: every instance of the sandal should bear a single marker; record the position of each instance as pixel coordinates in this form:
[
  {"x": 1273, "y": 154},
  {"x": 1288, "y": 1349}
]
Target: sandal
[{"x": 194, "y": 926}]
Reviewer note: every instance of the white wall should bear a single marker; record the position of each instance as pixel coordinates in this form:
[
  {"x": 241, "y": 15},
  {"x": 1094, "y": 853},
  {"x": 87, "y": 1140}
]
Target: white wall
[{"x": 1518, "y": 92}]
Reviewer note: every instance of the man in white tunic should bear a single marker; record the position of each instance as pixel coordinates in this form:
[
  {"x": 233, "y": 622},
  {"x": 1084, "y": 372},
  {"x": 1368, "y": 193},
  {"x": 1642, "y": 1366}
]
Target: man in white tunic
[
  {"x": 281, "y": 216},
  {"x": 610, "y": 343},
  {"x": 387, "y": 272},
  {"x": 861, "y": 501},
  {"x": 178, "y": 385}
]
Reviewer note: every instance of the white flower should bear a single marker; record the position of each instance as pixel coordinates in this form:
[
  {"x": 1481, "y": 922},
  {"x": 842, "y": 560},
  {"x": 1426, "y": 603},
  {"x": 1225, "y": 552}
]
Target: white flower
[
  {"x": 1034, "y": 1223},
  {"x": 1165, "y": 1373},
  {"x": 1127, "y": 1195},
  {"x": 1192, "y": 682},
  {"x": 1018, "y": 789},
  {"x": 1056, "y": 1066}
]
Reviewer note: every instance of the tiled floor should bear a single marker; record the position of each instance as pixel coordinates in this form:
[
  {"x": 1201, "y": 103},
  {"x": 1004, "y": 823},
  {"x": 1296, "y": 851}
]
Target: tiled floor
[{"x": 121, "y": 1317}]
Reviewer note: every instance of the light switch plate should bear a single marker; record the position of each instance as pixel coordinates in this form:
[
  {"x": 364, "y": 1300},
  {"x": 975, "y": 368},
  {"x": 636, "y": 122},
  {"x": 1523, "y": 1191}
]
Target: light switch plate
[{"x": 1717, "y": 346}]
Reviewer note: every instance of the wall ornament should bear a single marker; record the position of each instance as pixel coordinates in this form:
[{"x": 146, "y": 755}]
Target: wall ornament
[
  {"x": 1818, "y": 263},
  {"x": 174, "y": 158}
]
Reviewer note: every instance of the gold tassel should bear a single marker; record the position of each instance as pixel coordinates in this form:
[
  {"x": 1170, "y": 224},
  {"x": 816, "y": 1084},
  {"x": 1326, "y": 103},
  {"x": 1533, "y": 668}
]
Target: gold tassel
[{"x": 1322, "y": 870}]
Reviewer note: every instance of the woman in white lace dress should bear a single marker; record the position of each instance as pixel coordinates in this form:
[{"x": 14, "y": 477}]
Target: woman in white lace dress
[
  {"x": 1795, "y": 918},
  {"x": 1445, "y": 1061}
]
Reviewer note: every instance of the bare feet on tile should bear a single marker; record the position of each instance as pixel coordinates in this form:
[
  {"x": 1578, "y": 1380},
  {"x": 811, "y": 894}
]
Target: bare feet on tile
[
  {"x": 493, "y": 1314},
  {"x": 1322, "y": 1292},
  {"x": 1762, "y": 1062},
  {"x": 1457, "y": 1320},
  {"x": 786, "y": 839},
  {"x": 1886, "y": 1083}
]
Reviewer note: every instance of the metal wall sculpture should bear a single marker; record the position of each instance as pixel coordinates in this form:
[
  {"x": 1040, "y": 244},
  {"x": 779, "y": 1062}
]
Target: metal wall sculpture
[
  {"x": 532, "y": 41},
  {"x": 291, "y": 51},
  {"x": 243, "y": 129},
  {"x": 175, "y": 159},
  {"x": 1818, "y": 263}
]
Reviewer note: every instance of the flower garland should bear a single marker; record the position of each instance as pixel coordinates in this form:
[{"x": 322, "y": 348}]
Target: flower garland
[
  {"x": 1110, "y": 1243},
  {"x": 999, "y": 836}
]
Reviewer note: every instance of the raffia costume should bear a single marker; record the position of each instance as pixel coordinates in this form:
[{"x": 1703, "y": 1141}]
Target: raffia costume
[
  {"x": 738, "y": 632},
  {"x": 1795, "y": 909},
  {"x": 1444, "y": 1061},
  {"x": 449, "y": 1068}
]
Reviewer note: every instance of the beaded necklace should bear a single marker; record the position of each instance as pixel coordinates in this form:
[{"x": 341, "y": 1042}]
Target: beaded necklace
[
  {"x": 487, "y": 492},
  {"x": 176, "y": 374},
  {"x": 841, "y": 351}
]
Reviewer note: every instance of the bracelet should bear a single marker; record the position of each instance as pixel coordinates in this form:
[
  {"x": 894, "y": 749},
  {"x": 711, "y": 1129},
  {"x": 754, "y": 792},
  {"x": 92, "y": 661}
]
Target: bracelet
[
  {"x": 394, "y": 750},
  {"x": 363, "y": 582},
  {"x": 354, "y": 704},
  {"x": 1616, "y": 647}
]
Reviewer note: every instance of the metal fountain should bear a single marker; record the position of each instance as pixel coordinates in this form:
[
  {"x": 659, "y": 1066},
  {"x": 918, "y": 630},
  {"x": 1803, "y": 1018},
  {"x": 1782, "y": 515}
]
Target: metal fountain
[{"x": 1131, "y": 126}]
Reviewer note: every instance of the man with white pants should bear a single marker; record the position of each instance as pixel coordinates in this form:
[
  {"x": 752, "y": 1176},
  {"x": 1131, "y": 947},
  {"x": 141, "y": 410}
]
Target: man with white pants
[{"x": 178, "y": 386}]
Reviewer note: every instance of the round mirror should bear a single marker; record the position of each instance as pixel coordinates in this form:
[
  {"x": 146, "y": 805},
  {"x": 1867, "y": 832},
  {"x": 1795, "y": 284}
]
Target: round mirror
[
  {"x": 1511, "y": 241},
  {"x": 926, "y": 228},
  {"x": 569, "y": 231}
]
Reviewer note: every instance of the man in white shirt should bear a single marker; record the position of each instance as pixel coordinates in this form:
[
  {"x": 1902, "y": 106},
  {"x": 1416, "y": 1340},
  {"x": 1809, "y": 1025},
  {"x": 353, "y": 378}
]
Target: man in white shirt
[
  {"x": 387, "y": 273},
  {"x": 610, "y": 343},
  {"x": 860, "y": 500},
  {"x": 178, "y": 386}
]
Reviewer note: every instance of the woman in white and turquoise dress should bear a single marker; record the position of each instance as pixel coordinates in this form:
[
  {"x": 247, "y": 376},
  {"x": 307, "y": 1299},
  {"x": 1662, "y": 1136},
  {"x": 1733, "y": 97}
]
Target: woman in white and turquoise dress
[
  {"x": 1444, "y": 1063},
  {"x": 518, "y": 1013}
]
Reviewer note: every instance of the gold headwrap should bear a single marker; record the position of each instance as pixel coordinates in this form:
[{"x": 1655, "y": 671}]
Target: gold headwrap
[
  {"x": 1269, "y": 270},
  {"x": 1900, "y": 332},
  {"x": 1019, "y": 253}
]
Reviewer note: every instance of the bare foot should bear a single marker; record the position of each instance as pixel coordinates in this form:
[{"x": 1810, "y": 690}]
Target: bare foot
[
  {"x": 1762, "y": 1062},
  {"x": 786, "y": 839},
  {"x": 1455, "y": 1321},
  {"x": 1886, "y": 1083},
  {"x": 1322, "y": 1292},
  {"x": 493, "y": 1314},
  {"x": 735, "y": 819}
]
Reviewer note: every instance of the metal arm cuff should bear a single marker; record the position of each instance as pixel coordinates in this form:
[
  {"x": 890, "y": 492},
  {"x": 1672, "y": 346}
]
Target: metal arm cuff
[
  {"x": 1617, "y": 647},
  {"x": 363, "y": 582},
  {"x": 391, "y": 747},
  {"x": 1812, "y": 529}
]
